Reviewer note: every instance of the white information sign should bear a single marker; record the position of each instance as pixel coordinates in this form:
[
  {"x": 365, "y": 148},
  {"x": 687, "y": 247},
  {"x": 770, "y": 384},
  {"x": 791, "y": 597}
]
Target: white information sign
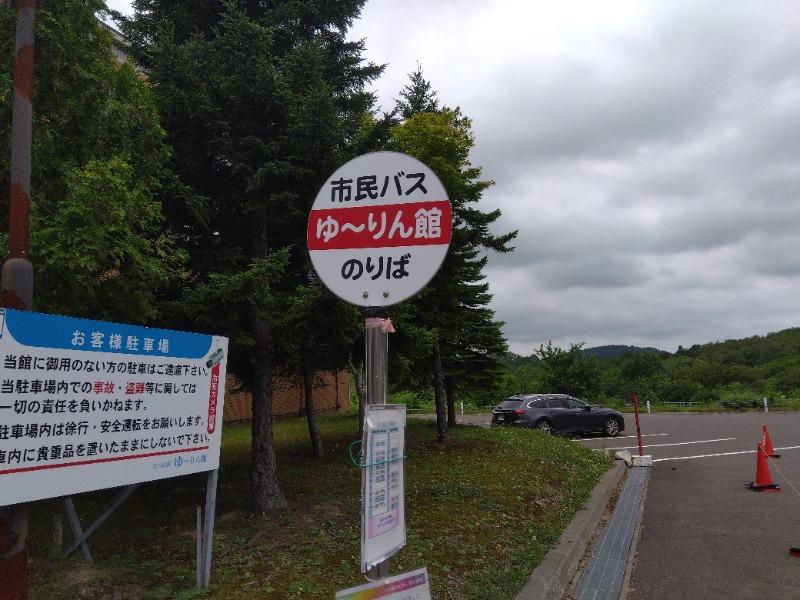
[
  {"x": 87, "y": 405},
  {"x": 383, "y": 529},
  {"x": 379, "y": 229},
  {"x": 409, "y": 586}
]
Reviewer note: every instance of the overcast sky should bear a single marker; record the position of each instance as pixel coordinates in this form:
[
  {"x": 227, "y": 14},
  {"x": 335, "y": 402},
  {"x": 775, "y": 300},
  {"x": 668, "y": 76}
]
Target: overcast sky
[{"x": 648, "y": 152}]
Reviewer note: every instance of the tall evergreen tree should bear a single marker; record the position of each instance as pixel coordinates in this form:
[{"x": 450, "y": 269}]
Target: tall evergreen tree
[
  {"x": 417, "y": 96},
  {"x": 316, "y": 333},
  {"x": 261, "y": 101},
  {"x": 466, "y": 343}
]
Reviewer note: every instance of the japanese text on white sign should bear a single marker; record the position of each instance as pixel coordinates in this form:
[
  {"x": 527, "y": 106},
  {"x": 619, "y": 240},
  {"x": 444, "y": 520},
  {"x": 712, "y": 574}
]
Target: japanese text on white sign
[
  {"x": 86, "y": 405},
  {"x": 383, "y": 527},
  {"x": 379, "y": 229}
]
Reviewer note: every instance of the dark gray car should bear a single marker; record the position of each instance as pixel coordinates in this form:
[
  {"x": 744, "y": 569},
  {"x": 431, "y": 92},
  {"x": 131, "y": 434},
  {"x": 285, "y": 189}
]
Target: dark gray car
[{"x": 557, "y": 413}]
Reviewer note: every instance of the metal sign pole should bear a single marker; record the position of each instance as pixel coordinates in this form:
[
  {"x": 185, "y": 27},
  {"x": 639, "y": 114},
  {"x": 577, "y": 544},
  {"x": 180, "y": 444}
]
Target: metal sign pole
[
  {"x": 377, "y": 349},
  {"x": 377, "y": 353},
  {"x": 365, "y": 265},
  {"x": 208, "y": 527}
]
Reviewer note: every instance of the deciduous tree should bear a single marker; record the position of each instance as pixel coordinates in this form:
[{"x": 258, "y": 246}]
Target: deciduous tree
[
  {"x": 97, "y": 238},
  {"x": 568, "y": 371}
]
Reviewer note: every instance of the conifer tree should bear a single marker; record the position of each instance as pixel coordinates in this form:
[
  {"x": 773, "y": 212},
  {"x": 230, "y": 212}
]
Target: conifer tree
[
  {"x": 464, "y": 341},
  {"x": 261, "y": 101}
]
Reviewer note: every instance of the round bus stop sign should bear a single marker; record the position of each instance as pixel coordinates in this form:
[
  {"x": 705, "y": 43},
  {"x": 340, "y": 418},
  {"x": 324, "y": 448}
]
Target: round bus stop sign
[{"x": 379, "y": 229}]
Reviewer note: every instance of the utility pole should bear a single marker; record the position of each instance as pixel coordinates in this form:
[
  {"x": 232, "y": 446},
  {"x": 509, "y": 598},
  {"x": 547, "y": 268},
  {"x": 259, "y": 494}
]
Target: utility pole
[{"x": 16, "y": 288}]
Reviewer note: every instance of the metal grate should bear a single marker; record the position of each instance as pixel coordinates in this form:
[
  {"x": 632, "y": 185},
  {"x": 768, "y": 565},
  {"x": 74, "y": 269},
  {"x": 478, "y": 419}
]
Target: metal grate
[{"x": 603, "y": 575}]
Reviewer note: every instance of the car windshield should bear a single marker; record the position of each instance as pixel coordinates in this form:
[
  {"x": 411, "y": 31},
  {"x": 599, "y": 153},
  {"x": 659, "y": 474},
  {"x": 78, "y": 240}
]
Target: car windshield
[{"x": 509, "y": 404}]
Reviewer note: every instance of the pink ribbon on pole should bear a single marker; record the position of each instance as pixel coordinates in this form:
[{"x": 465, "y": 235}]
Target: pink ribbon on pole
[{"x": 384, "y": 324}]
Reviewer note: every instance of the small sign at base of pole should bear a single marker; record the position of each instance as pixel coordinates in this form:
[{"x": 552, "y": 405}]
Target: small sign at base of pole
[
  {"x": 383, "y": 529},
  {"x": 408, "y": 585}
]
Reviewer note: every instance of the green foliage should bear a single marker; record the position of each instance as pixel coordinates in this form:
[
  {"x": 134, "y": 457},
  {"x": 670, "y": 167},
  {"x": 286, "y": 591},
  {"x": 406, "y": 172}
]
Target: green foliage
[
  {"x": 260, "y": 102},
  {"x": 97, "y": 236},
  {"x": 468, "y": 338},
  {"x": 736, "y": 373},
  {"x": 488, "y": 474},
  {"x": 613, "y": 351},
  {"x": 522, "y": 379},
  {"x": 640, "y": 366},
  {"x": 312, "y": 323},
  {"x": 93, "y": 258},
  {"x": 417, "y": 97},
  {"x": 228, "y": 302},
  {"x": 752, "y": 351},
  {"x": 568, "y": 371}
]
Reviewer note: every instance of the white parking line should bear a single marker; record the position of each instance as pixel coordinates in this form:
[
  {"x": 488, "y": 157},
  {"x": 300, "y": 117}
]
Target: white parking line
[
  {"x": 721, "y": 454},
  {"x": 621, "y": 437},
  {"x": 675, "y": 444}
]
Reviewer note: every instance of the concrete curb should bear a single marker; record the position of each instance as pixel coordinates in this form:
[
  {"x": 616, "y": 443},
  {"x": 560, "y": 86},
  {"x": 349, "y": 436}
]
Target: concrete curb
[{"x": 551, "y": 579}]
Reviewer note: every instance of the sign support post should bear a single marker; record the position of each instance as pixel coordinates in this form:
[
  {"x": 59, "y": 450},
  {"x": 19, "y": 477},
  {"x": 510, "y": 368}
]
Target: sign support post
[
  {"x": 378, "y": 231},
  {"x": 82, "y": 537},
  {"x": 17, "y": 277},
  {"x": 77, "y": 530},
  {"x": 208, "y": 530},
  {"x": 377, "y": 342},
  {"x": 377, "y": 350}
]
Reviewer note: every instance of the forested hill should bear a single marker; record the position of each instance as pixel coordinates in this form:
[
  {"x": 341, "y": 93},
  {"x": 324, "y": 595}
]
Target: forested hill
[
  {"x": 616, "y": 351},
  {"x": 752, "y": 351},
  {"x": 732, "y": 371}
]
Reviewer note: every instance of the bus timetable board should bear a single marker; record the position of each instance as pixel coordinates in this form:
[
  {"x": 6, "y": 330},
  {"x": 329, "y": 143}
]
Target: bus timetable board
[{"x": 88, "y": 405}]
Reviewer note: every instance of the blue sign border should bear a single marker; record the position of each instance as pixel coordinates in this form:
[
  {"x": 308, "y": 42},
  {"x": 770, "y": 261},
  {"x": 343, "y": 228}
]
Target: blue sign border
[{"x": 69, "y": 333}]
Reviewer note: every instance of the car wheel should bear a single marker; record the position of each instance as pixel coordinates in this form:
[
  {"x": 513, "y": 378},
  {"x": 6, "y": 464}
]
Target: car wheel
[
  {"x": 611, "y": 427},
  {"x": 544, "y": 427}
]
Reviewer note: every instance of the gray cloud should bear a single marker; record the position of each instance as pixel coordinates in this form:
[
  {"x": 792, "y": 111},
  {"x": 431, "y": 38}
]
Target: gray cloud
[{"x": 648, "y": 152}]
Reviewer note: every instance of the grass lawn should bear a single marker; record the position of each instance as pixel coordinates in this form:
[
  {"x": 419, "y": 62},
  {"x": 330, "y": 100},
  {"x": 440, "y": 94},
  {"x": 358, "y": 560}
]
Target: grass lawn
[{"x": 481, "y": 513}]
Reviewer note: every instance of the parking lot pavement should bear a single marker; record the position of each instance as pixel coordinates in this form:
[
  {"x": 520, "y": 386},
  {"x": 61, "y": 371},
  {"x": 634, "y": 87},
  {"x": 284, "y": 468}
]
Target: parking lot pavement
[
  {"x": 703, "y": 533},
  {"x": 481, "y": 419}
]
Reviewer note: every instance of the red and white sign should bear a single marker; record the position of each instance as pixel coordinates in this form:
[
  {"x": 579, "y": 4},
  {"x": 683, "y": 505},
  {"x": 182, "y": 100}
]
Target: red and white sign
[{"x": 379, "y": 229}]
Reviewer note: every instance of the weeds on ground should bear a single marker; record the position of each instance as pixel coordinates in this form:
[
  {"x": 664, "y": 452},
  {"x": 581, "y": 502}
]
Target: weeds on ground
[{"x": 481, "y": 510}]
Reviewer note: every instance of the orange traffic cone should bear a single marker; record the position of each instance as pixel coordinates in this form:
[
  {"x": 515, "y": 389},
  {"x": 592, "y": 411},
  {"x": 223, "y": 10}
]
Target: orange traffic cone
[
  {"x": 768, "y": 449},
  {"x": 763, "y": 482}
]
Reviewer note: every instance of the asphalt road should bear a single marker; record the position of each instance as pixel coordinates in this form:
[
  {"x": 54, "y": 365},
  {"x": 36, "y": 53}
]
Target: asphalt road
[{"x": 703, "y": 533}]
